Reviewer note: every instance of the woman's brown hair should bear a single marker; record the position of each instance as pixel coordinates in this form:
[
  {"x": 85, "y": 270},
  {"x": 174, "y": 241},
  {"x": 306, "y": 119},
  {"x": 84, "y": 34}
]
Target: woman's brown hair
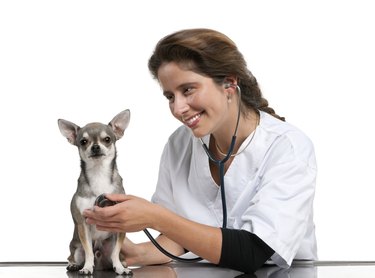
[{"x": 212, "y": 54}]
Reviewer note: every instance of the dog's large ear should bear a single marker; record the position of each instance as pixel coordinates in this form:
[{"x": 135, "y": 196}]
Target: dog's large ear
[
  {"x": 120, "y": 122},
  {"x": 69, "y": 130}
]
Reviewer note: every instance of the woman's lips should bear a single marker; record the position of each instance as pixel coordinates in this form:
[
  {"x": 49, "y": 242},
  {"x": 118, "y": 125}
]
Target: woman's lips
[{"x": 193, "y": 121}]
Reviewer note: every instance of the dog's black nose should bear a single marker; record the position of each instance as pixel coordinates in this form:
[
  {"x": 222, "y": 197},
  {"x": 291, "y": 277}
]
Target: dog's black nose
[{"x": 95, "y": 149}]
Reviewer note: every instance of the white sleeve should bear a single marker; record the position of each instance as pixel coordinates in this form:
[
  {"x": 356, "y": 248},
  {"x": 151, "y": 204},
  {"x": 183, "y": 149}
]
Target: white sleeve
[
  {"x": 280, "y": 212},
  {"x": 163, "y": 193}
]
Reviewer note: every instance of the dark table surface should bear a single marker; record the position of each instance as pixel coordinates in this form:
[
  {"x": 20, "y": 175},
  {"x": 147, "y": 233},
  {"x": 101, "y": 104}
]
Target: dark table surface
[{"x": 321, "y": 269}]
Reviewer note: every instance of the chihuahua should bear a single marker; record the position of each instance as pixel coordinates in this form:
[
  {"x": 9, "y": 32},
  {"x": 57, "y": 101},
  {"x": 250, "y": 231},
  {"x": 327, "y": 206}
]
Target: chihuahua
[{"x": 89, "y": 247}]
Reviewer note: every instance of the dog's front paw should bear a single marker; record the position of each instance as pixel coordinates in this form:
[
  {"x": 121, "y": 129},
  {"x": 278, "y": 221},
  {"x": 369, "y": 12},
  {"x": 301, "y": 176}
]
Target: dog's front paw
[
  {"x": 73, "y": 267},
  {"x": 86, "y": 271},
  {"x": 121, "y": 270}
]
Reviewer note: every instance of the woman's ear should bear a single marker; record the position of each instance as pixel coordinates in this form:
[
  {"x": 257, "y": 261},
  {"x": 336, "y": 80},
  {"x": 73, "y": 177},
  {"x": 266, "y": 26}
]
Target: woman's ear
[
  {"x": 230, "y": 90},
  {"x": 230, "y": 82}
]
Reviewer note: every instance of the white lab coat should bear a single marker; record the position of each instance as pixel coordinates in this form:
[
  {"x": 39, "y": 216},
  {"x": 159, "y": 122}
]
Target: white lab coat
[{"x": 269, "y": 187}]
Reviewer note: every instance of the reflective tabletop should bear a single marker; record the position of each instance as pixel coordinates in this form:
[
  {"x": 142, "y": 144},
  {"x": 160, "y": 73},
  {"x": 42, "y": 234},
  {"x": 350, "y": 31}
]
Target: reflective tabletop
[{"x": 322, "y": 269}]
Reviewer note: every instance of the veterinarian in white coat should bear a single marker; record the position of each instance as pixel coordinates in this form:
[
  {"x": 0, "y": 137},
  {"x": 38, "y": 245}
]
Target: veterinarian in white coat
[{"x": 269, "y": 174}]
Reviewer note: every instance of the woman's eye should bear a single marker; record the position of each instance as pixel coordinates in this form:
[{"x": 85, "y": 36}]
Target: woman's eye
[
  {"x": 189, "y": 90},
  {"x": 169, "y": 97}
]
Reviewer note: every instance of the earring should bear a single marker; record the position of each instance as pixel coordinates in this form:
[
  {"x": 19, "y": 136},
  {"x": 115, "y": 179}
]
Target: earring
[{"x": 229, "y": 99}]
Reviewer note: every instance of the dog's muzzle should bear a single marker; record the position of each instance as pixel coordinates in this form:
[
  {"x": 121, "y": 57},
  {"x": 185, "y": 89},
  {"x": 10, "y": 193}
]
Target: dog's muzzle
[{"x": 96, "y": 151}]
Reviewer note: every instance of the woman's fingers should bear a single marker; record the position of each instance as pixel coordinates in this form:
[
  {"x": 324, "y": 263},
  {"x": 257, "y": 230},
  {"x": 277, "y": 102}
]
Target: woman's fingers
[
  {"x": 118, "y": 197},
  {"x": 103, "y": 214},
  {"x": 129, "y": 214}
]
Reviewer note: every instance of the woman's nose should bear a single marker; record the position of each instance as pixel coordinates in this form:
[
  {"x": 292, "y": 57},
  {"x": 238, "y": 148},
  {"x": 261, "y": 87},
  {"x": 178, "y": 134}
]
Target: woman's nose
[{"x": 180, "y": 106}]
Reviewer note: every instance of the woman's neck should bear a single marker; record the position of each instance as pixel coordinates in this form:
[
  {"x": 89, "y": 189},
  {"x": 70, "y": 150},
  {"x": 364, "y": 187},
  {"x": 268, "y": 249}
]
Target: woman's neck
[{"x": 222, "y": 139}]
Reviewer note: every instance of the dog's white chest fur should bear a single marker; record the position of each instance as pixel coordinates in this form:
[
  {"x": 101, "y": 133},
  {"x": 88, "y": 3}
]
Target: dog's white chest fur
[
  {"x": 84, "y": 203},
  {"x": 99, "y": 182},
  {"x": 87, "y": 203},
  {"x": 99, "y": 176}
]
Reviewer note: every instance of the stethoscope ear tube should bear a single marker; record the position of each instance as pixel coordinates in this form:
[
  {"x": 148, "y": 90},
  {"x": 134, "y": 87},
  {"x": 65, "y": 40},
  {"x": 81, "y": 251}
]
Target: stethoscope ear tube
[{"x": 220, "y": 164}]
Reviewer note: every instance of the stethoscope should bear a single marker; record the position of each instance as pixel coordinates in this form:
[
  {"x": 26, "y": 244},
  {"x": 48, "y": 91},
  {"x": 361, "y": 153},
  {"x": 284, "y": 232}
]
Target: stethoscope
[{"x": 220, "y": 163}]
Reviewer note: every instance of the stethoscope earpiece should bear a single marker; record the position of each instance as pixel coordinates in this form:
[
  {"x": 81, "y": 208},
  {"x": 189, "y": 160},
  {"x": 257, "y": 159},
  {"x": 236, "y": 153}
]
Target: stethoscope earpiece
[{"x": 228, "y": 85}]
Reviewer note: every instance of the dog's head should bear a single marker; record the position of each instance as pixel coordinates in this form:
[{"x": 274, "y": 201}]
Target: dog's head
[{"x": 96, "y": 141}]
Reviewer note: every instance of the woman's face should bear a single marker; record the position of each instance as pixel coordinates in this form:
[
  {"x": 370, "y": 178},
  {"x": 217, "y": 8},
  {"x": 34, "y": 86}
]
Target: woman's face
[{"x": 194, "y": 99}]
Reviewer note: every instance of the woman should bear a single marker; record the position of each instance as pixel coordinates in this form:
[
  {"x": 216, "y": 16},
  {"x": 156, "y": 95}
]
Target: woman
[{"x": 269, "y": 175}]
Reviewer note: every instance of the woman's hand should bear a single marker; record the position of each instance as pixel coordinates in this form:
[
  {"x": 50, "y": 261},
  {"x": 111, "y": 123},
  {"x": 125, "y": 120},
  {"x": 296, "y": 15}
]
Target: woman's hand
[
  {"x": 133, "y": 214},
  {"x": 130, "y": 214}
]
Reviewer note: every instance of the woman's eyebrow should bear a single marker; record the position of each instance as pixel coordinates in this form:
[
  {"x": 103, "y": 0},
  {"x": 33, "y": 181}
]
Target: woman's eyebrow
[
  {"x": 180, "y": 87},
  {"x": 167, "y": 93}
]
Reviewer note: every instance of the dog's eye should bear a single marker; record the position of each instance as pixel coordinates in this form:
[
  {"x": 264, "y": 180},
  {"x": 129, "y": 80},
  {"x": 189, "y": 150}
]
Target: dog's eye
[
  {"x": 107, "y": 139},
  {"x": 83, "y": 142}
]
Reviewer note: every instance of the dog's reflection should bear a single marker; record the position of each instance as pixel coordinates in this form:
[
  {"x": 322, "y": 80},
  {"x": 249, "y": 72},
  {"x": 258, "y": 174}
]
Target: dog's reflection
[
  {"x": 141, "y": 272},
  {"x": 205, "y": 271}
]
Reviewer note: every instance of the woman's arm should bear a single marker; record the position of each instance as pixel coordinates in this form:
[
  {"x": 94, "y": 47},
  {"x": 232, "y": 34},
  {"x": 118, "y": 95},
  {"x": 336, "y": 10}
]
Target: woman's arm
[
  {"x": 235, "y": 249},
  {"x": 134, "y": 214},
  {"x": 203, "y": 240},
  {"x": 147, "y": 254}
]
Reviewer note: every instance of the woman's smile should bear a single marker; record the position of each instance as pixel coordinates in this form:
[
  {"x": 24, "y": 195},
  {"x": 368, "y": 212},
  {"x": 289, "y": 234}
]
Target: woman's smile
[{"x": 192, "y": 121}]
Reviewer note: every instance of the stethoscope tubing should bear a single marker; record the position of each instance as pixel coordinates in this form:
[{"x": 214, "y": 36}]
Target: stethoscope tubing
[{"x": 220, "y": 163}]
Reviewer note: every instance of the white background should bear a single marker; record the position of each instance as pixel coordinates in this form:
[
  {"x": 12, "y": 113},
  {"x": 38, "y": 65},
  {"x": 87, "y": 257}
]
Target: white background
[{"x": 87, "y": 60}]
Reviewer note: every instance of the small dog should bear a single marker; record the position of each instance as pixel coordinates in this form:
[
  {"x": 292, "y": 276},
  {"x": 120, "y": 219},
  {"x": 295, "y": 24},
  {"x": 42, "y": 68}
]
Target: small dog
[{"x": 89, "y": 247}]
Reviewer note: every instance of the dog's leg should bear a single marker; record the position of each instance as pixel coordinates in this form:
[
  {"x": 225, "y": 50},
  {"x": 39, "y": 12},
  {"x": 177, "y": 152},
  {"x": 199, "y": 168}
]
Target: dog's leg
[
  {"x": 118, "y": 267},
  {"x": 76, "y": 257},
  {"x": 86, "y": 240}
]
